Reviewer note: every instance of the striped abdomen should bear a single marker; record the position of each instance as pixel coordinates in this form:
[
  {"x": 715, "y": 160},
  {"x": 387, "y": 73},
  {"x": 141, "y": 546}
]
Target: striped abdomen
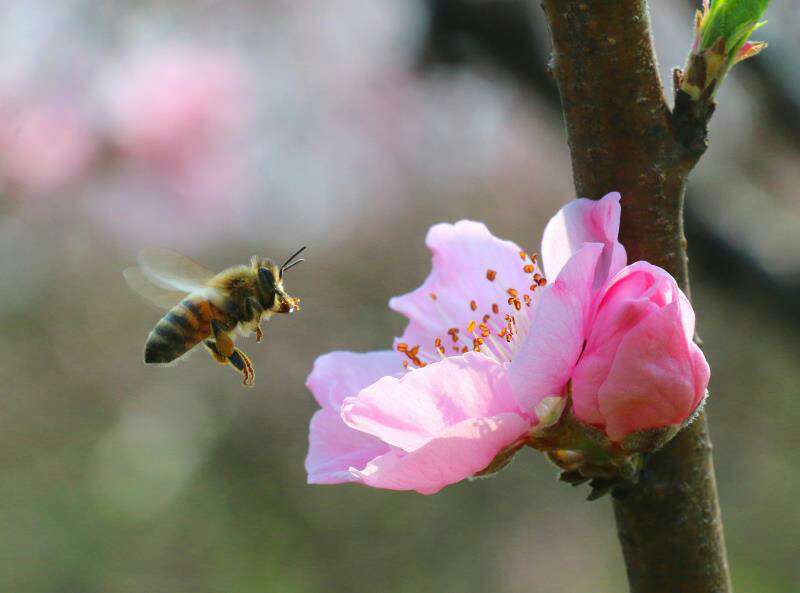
[{"x": 181, "y": 329}]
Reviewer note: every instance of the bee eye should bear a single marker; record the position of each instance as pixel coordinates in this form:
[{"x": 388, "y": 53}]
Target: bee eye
[{"x": 266, "y": 277}]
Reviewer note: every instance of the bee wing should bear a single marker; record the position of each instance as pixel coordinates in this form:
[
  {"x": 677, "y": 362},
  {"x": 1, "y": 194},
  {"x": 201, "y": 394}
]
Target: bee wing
[
  {"x": 143, "y": 286},
  {"x": 173, "y": 271}
]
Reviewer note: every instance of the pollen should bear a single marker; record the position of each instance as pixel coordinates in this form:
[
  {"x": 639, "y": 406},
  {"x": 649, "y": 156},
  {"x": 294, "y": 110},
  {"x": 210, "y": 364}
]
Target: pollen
[{"x": 491, "y": 275}]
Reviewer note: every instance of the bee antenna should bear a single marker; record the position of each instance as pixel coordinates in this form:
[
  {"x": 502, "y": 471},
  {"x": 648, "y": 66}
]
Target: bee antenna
[{"x": 289, "y": 264}]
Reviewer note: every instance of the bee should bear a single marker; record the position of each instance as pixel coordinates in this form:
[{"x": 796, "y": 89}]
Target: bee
[{"x": 210, "y": 308}]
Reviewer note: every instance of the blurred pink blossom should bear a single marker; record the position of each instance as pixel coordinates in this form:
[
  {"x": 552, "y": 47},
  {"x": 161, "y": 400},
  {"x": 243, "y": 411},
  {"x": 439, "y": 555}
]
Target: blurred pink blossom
[
  {"x": 176, "y": 112},
  {"x": 44, "y": 147},
  {"x": 490, "y": 345}
]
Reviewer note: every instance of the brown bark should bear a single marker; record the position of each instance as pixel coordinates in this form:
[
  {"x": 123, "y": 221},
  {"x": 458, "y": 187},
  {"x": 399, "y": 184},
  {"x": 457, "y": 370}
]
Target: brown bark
[{"x": 623, "y": 137}]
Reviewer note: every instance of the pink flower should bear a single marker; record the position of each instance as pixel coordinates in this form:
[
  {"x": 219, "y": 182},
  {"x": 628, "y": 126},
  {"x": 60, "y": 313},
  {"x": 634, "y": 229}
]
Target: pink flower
[
  {"x": 44, "y": 148},
  {"x": 175, "y": 113},
  {"x": 490, "y": 346}
]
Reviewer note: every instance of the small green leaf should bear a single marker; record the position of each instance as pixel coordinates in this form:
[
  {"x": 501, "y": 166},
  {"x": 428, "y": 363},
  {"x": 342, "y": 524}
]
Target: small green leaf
[{"x": 733, "y": 20}]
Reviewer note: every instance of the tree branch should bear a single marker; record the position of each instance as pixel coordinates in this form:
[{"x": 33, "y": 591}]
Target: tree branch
[{"x": 622, "y": 136}]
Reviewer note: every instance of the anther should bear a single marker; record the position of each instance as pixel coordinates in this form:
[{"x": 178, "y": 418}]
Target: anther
[
  {"x": 495, "y": 309},
  {"x": 512, "y": 291},
  {"x": 491, "y": 275},
  {"x": 433, "y": 296},
  {"x": 473, "y": 305},
  {"x": 523, "y": 256},
  {"x": 471, "y": 327},
  {"x": 528, "y": 269},
  {"x": 402, "y": 347}
]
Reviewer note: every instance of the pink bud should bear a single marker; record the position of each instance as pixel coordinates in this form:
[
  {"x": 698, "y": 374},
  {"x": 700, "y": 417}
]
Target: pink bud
[{"x": 640, "y": 368}]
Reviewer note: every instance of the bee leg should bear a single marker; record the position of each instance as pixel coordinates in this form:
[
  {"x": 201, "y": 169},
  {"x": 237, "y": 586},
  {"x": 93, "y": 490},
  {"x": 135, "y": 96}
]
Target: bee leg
[
  {"x": 253, "y": 310},
  {"x": 222, "y": 339},
  {"x": 242, "y": 362},
  {"x": 223, "y": 345},
  {"x": 215, "y": 354}
]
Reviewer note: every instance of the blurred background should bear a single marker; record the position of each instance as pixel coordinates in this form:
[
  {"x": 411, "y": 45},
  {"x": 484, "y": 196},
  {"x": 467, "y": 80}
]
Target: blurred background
[{"x": 226, "y": 129}]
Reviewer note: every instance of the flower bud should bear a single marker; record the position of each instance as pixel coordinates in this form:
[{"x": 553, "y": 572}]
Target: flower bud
[
  {"x": 722, "y": 30},
  {"x": 640, "y": 369}
]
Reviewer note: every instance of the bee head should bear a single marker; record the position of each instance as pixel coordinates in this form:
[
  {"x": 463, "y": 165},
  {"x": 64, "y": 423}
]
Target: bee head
[{"x": 270, "y": 284}]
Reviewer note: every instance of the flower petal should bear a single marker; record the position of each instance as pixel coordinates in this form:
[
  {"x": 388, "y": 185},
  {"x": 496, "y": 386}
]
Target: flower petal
[
  {"x": 658, "y": 377},
  {"x": 337, "y": 375},
  {"x": 460, "y": 451},
  {"x": 335, "y": 450},
  {"x": 423, "y": 404},
  {"x": 585, "y": 221},
  {"x": 545, "y": 360},
  {"x": 463, "y": 255}
]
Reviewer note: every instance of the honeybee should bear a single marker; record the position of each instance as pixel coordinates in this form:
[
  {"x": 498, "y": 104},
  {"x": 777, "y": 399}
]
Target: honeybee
[{"x": 207, "y": 307}]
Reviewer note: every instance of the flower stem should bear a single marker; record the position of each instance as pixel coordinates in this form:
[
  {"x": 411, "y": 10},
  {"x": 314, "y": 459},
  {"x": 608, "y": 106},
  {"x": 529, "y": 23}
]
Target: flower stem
[{"x": 624, "y": 137}]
